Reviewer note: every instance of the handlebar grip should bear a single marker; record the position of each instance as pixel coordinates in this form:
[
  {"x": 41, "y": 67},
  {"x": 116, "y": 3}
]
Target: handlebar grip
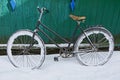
[
  {"x": 39, "y": 9},
  {"x": 47, "y": 10}
]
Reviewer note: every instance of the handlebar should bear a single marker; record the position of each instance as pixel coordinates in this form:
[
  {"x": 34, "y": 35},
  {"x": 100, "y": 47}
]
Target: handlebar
[{"x": 43, "y": 9}]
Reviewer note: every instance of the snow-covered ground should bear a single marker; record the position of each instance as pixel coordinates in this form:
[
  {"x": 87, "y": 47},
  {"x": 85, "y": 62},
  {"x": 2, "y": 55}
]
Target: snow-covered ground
[{"x": 65, "y": 69}]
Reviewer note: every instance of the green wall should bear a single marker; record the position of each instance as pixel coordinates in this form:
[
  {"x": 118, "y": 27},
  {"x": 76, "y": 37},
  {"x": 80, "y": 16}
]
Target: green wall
[{"x": 98, "y": 12}]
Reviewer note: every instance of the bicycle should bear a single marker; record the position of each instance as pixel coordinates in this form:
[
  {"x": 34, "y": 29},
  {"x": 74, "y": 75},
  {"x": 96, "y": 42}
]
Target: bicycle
[{"x": 93, "y": 47}]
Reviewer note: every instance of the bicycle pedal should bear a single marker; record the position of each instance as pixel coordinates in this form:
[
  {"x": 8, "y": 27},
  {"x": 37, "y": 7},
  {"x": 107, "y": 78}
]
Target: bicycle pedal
[{"x": 56, "y": 59}]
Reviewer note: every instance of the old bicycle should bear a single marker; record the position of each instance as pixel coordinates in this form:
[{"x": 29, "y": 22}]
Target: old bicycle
[{"x": 93, "y": 47}]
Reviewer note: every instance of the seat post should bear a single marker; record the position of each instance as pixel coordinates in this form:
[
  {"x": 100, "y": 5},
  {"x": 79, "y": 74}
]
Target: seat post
[{"x": 78, "y": 22}]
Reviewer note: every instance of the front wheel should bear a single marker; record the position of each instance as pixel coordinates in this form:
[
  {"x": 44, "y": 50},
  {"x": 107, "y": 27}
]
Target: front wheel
[
  {"x": 24, "y": 51},
  {"x": 101, "y": 49}
]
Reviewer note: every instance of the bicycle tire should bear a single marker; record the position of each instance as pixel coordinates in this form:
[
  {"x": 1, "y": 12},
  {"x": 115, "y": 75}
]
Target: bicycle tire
[
  {"x": 102, "y": 39},
  {"x": 17, "y": 50}
]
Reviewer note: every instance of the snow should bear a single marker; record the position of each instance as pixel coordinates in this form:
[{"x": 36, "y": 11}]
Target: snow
[{"x": 65, "y": 69}]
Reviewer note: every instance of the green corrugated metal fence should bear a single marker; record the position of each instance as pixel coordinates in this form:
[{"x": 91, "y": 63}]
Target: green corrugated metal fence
[{"x": 98, "y": 12}]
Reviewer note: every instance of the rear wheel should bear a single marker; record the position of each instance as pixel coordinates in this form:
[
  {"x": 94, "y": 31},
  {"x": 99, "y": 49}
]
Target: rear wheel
[
  {"x": 20, "y": 53},
  {"x": 103, "y": 42}
]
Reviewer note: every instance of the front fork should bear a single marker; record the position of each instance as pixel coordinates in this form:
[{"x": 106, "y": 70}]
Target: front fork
[{"x": 32, "y": 42}]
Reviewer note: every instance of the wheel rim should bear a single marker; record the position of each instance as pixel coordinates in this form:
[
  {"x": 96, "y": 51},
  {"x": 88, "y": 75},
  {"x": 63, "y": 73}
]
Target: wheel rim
[
  {"x": 22, "y": 58},
  {"x": 93, "y": 57}
]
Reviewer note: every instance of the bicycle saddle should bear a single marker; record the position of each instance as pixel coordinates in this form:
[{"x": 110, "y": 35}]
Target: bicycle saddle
[{"x": 77, "y": 18}]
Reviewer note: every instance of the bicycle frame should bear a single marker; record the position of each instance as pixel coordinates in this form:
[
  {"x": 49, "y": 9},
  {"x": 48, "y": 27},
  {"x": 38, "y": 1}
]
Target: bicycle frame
[{"x": 38, "y": 29}]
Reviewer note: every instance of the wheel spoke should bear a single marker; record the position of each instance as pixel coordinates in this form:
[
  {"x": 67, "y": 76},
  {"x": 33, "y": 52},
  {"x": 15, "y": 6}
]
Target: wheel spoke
[
  {"x": 100, "y": 54},
  {"x": 21, "y": 54}
]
